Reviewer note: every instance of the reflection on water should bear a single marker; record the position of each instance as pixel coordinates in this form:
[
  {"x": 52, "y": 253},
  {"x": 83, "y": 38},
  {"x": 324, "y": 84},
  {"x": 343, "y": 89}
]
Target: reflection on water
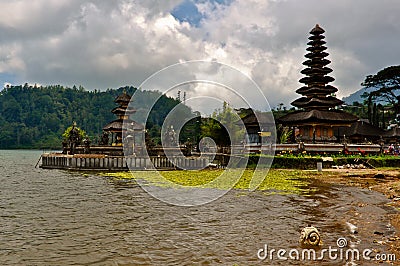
[{"x": 51, "y": 217}]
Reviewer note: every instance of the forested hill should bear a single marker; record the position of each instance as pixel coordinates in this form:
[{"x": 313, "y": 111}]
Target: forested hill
[{"x": 36, "y": 117}]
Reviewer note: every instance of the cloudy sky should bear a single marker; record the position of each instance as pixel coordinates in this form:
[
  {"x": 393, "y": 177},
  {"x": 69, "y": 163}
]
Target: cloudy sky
[{"x": 103, "y": 44}]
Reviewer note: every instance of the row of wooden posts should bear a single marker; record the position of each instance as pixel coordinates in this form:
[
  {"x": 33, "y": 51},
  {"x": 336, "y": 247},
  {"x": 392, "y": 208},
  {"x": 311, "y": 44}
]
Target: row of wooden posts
[{"x": 120, "y": 163}]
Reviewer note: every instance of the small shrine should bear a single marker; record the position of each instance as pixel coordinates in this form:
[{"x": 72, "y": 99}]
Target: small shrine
[
  {"x": 260, "y": 127},
  {"x": 316, "y": 115}
]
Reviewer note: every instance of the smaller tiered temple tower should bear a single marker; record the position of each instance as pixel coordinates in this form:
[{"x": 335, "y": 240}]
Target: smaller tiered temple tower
[
  {"x": 317, "y": 115},
  {"x": 122, "y": 111}
]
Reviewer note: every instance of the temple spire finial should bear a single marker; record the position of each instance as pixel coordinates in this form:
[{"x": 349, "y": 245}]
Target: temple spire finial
[{"x": 317, "y": 30}]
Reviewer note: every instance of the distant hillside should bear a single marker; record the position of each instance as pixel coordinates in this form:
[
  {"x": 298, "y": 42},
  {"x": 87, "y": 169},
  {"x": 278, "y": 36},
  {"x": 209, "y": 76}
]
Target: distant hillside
[
  {"x": 356, "y": 96},
  {"x": 36, "y": 117}
]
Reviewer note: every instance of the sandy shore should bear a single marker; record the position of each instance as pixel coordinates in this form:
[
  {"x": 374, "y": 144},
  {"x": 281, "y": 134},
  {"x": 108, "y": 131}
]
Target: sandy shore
[{"x": 383, "y": 181}]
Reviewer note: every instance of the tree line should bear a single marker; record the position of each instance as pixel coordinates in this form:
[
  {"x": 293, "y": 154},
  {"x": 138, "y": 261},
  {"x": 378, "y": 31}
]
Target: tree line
[{"x": 36, "y": 116}]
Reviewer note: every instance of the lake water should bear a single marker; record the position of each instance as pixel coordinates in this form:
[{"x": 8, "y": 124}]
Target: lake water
[{"x": 54, "y": 217}]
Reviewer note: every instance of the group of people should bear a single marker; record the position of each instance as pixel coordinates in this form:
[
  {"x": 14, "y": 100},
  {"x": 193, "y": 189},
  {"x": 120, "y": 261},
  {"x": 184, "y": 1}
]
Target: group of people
[{"x": 394, "y": 149}]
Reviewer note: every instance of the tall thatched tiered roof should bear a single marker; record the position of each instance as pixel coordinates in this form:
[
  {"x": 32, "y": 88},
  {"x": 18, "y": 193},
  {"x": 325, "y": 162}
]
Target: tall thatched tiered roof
[{"x": 317, "y": 104}]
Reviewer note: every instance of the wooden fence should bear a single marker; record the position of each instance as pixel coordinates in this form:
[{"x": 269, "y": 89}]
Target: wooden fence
[{"x": 119, "y": 163}]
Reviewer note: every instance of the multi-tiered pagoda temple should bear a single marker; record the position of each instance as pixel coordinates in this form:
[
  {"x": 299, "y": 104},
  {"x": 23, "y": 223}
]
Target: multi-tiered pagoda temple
[
  {"x": 122, "y": 111},
  {"x": 317, "y": 115}
]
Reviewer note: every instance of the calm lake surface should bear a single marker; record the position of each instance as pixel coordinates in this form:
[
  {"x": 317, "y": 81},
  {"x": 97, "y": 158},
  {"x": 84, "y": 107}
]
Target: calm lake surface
[{"x": 54, "y": 217}]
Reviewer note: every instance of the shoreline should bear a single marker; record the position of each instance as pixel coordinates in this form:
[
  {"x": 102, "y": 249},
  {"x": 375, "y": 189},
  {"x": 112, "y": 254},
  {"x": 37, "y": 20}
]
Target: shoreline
[{"x": 384, "y": 181}]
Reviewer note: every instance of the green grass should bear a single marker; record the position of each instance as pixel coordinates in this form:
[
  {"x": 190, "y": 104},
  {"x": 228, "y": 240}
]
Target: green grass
[{"x": 275, "y": 181}]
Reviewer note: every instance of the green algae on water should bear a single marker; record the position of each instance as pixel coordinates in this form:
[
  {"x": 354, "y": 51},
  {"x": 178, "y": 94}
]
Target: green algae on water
[{"x": 274, "y": 181}]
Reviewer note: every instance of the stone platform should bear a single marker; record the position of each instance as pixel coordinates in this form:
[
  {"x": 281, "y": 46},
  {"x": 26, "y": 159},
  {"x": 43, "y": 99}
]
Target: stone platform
[{"x": 101, "y": 162}]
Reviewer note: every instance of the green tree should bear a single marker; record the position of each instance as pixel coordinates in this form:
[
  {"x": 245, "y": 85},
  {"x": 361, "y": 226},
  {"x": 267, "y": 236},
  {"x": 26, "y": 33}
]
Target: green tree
[
  {"x": 284, "y": 134},
  {"x": 81, "y": 132},
  {"x": 11, "y": 109},
  {"x": 222, "y": 123},
  {"x": 37, "y": 116},
  {"x": 387, "y": 84}
]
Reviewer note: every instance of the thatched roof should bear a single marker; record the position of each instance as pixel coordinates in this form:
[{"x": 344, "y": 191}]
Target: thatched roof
[
  {"x": 305, "y": 90},
  {"x": 258, "y": 118},
  {"x": 322, "y": 70},
  {"x": 364, "y": 129},
  {"x": 123, "y": 110},
  {"x": 123, "y": 98},
  {"x": 317, "y": 46},
  {"x": 316, "y": 61},
  {"x": 393, "y": 132},
  {"x": 317, "y": 30},
  {"x": 316, "y": 79},
  {"x": 316, "y": 42},
  {"x": 317, "y": 102},
  {"x": 316, "y": 52},
  {"x": 118, "y": 125},
  {"x": 316, "y": 37},
  {"x": 331, "y": 117}
]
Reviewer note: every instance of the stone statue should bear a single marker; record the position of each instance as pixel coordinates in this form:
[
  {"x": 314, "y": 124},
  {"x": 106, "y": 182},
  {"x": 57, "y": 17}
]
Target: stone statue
[
  {"x": 73, "y": 138},
  {"x": 86, "y": 142},
  {"x": 381, "y": 144},
  {"x": 150, "y": 145},
  {"x": 104, "y": 139},
  {"x": 65, "y": 146},
  {"x": 170, "y": 137},
  {"x": 344, "y": 139},
  {"x": 188, "y": 147},
  {"x": 129, "y": 145}
]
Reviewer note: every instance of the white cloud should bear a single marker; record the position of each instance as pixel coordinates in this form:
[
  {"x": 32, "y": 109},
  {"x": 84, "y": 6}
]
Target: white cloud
[
  {"x": 101, "y": 44},
  {"x": 9, "y": 59}
]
